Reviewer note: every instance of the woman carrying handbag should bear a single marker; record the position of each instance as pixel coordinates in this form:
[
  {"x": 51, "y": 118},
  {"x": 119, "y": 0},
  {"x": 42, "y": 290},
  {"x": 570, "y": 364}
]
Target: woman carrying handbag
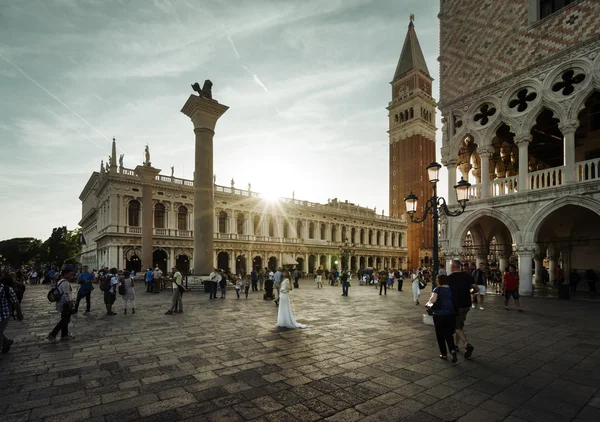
[{"x": 444, "y": 317}]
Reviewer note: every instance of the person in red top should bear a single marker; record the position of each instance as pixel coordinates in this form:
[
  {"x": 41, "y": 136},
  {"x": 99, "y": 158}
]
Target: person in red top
[{"x": 510, "y": 285}]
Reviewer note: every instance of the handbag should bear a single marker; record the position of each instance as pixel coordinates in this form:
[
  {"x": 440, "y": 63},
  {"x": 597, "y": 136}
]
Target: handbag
[
  {"x": 422, "y": 285},
  {"x": 122, "y": 289},
  {"x": 180, "y": 287}
]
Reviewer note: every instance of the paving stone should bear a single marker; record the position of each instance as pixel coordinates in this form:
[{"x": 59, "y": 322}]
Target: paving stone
[
  {"x": 348, "y": 415},
  {"x": 448, "y": 409},
  {"x": 545, "y": 366}
]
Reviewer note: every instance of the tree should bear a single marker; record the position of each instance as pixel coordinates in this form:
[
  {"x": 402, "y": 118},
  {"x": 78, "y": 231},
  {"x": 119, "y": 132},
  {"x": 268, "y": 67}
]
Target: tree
[
  {"x": 61, "y": 247},
  {"x": 20, "y": 250}
]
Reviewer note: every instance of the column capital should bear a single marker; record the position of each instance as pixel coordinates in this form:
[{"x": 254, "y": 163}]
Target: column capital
[
  {"x": 204, "y": 112},
  {"x": 526, "y": 250},
  {"x": 568, "y": 126},
  {"x": 451, "y": 162},
  {"x": 147, "y": 173},
  {"x": 523, "y": 140},
  {"x": 486, "y": 151}
]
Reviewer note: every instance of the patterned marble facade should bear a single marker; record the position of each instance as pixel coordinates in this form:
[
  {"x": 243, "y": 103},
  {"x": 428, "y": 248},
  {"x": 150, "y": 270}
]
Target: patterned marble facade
[
  {"x": 249, "y": 230},
  {"x": 520, "y": 104}
]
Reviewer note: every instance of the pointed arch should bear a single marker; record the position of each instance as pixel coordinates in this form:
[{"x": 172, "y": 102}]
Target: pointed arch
[{"x": 531, "y": 118}]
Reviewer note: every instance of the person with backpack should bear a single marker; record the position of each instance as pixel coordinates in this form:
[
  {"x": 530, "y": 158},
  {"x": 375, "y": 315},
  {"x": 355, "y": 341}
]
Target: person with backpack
[
  {"x": 126, "y": 289},
  {"x": 109, "y": 286},
  {"x": 254, "y": 277},
  {"x": 85, "y": 279},
  {"x": 8, "y": 304},
  {"x": 61, "y": 295}
]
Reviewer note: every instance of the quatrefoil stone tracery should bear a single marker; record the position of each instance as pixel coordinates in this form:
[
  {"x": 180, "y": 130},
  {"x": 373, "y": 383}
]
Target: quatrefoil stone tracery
[
  {"x": 523, "y": 97},
  {"x": 568, "y": 82},
  {"x": 485, "y": 112}
]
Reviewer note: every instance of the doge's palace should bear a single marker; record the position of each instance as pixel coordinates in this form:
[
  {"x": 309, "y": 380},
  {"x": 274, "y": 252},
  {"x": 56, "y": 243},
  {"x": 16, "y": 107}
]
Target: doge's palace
[{"x": 520, "y": 101}]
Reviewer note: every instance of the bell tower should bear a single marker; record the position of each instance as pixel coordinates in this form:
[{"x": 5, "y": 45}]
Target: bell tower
[{"x": 412, "y": 144}]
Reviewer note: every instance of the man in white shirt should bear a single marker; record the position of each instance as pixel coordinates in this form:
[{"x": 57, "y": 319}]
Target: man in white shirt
[
  {"x": 214, "y": 278},
  {"x": 64, "y": 306},
  {"x": 176, "y": 298},
  {"x": 157, "y": 276}
]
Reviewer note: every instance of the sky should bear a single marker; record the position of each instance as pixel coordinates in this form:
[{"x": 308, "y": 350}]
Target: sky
[{"x": 306, "y": 82}]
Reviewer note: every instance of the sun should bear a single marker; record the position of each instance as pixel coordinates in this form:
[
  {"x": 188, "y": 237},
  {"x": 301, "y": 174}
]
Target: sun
[{"x": 270, "y": 196}]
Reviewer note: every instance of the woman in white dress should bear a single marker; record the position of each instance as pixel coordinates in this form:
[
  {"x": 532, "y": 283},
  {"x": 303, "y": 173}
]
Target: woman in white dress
[
  {"x": 129, "y": 295},
  {"x": 285, "y": 317}
]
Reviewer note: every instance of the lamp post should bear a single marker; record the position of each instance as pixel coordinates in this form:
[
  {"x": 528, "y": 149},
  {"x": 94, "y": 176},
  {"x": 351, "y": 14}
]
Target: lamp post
[
  {"x": 436, "y": 205},
  {"x": 347, "y": 250}
]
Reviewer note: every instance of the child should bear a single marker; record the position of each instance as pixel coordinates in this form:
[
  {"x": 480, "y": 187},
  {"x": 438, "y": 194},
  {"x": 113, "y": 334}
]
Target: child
[
  {"x": 245, "y": 284},
  {"x": 238, "y": 286}
]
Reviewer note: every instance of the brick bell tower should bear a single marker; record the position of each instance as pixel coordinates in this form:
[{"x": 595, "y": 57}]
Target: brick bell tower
[{"x": 412, "y": 144}]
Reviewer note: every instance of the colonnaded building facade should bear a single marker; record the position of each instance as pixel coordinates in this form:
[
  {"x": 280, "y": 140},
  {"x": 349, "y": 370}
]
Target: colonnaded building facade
[
  {"x": 520, "y": 101},
  {"x": 250, "y": 231}
]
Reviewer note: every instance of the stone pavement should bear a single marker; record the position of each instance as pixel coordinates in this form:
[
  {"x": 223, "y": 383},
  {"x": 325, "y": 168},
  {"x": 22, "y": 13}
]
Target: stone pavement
[{"x": 364, "y": 357}]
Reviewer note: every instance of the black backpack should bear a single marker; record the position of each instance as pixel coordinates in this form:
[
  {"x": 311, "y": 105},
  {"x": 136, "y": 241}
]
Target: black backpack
[{"x": 54, "y": 295}]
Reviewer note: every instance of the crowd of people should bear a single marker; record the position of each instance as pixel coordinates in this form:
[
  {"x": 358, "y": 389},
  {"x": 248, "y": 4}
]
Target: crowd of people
[{"x": 451, "y": 299}]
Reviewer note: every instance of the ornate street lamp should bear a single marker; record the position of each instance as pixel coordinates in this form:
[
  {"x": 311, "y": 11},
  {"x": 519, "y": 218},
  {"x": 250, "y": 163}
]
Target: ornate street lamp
[
  {"x": 436, "y": 205},
  {"x": 347, "y": 250}
]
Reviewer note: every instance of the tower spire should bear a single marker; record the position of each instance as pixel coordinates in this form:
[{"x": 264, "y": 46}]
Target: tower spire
[{"x": 412, "y": 57}]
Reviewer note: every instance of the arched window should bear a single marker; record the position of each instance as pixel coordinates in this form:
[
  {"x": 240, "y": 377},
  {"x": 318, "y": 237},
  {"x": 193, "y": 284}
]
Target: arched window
[
  {"x": 256, "y": 224},
  {"x": 377, "y": 238},
  {"x": 333, "y": 232},
  {"x": 286, "y": 229},
  {"x": 393, "y": 239},
  {"x": 182, "y": 213},
  {"x": 323, "y": 230},
  {"x": 241, "y": 219},
  {"x": 271, "y": 227},
  {"x": 299, "y": 229},
  {"x": 396, "y": 119},
  {"x": 399, "y": 240},
  {"x": 353, "y": 235},
  {"x": 311, "y": 230},
  {"x": 405, "y": 114},
  {"x": 370, "y": 237},
  {"x": 134, "y": 213},
  {"x": 385, "y": 238},
  {"x": 362, "y": 236},
  {"x": 412, "y": 113},
  {"x": 159, "y": 216},
  {"x": 222, "y": 222}
]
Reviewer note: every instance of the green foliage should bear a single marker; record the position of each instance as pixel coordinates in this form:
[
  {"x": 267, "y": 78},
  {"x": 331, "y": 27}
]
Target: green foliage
[
  {"x": 20, "y": 250},
  {"x": 62, "y": 247}
]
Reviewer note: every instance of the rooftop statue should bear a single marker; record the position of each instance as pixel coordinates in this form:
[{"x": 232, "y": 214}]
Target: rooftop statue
[
  {"x": 147, "y": 152},
  {"x": 206, "y": 91}
]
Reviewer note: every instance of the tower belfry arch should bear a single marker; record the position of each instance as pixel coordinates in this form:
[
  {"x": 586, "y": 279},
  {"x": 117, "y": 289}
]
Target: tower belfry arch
[{"x": 412, "y": 140}]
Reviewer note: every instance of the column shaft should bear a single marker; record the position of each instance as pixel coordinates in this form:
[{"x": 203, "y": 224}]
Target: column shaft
[{"x": 203, "y": 202}]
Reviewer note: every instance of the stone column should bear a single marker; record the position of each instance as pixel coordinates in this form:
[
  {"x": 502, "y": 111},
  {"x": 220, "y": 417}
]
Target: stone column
[
  {"x": 523, "y": 143},
  {"x": 503, "y": 261},
  {"x": 204, "y": 113},
  {"x": 525, "y": 254},
  {"x": 147, "y": 174},
  {"x": 485, "y": 153},
  {"x": 568, "y": 129},
  {"x": 552, "y": 260},
  {"x": 329, "y": 262},
  {"x": 451, "y": 166}
]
